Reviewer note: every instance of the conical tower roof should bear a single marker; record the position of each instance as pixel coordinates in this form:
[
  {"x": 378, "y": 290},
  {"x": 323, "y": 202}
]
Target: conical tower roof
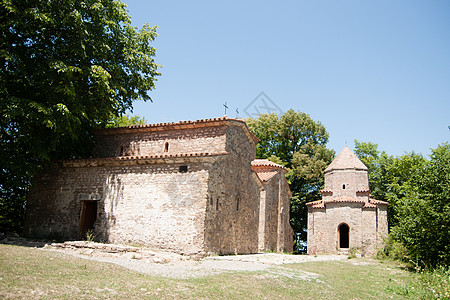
[{"x": 346, "y": 160}]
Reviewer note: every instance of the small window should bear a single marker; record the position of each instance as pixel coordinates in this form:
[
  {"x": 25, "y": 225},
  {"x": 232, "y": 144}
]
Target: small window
[
  {"x": 183, "y": 169},
  {"x": 238, "y": 199},
  {"x": 217, "y": 204},
  {"x": 121, "y": 151},
  {"x": 166, "y": 147},
  {"x": 343, "y": 186}
]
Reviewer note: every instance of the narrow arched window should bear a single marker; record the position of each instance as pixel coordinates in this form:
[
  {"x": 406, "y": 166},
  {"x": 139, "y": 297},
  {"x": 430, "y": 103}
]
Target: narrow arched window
[
  {"x": 343, "y": 186},
  {"x": 166, "y": 147},
  {"x": 238, "y": 199}
]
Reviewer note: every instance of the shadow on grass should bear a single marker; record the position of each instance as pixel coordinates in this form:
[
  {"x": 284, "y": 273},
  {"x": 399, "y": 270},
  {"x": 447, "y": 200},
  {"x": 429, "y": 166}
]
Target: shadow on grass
[{"x": 9, "y": 238}]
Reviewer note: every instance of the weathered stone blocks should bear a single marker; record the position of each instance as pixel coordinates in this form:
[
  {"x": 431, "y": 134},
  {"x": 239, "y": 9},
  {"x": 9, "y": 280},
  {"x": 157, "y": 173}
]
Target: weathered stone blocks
[{"x": 186, "y": 187}]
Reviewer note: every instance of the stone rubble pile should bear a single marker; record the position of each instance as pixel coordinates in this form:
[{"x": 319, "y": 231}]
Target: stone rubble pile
[{"x": 114, "y": 250}]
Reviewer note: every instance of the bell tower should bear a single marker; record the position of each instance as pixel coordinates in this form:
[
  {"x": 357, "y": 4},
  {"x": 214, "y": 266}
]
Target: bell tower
[
  {"x": 346, "y": 217},
  {"x": 346, "y": 176}
]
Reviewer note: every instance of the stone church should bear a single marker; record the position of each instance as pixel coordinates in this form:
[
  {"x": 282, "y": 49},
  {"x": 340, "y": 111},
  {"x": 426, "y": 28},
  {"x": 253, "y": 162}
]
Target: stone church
[
  {"x": 346, "y": 217},
  {"x": 190, "y": 187}
]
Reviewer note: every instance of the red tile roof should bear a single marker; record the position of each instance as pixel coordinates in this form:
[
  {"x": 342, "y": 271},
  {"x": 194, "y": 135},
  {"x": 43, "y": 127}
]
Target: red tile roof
[
  {"x": 372, "y": 203},
  {"x": 173, "y": 125},
  {"x": 344, "y": 199},
  {"x": 266, "y": 176},
  {"x": 363, "y": 191},
  {"x": 326, "y": 192},
  {"x": 178, "y": 125},
  {"x": 378, "y": 202},
  {"x": 316, "y": 204},
  {"x": 260, "y": 164}
]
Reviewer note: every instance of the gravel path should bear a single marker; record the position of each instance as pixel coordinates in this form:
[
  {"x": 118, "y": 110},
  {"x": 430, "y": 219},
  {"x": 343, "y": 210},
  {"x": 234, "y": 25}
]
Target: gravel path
[
  {"x": 178, "y": 266},
  {"x": 174, "y": 265}
]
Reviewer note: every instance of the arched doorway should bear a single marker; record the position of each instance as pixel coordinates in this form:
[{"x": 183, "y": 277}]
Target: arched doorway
[{"x": 344, "y": 236}]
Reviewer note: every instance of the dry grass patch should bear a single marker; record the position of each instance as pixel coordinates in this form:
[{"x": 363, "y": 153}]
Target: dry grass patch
[
  {"x": 33, "y": 273},
  {"x": 363, "y": 279}
]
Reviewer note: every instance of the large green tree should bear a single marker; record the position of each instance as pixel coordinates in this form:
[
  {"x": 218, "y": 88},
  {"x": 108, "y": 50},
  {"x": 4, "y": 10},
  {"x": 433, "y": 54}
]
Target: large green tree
[
  {"x": 418, "y": 191},
  {"x": 66, "y": 66},
  {"x": 299, "y": 143},
  {"x": 423, "y": 214},
  {"x": 390, "y": 178},
  {"x": 125, "y": 121}
]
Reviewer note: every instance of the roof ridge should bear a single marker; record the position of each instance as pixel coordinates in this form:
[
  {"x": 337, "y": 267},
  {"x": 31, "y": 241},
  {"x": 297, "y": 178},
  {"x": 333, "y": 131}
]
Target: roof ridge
[
  {"x": 180, "y": 125},
  {"x": 167, "y": 124}
]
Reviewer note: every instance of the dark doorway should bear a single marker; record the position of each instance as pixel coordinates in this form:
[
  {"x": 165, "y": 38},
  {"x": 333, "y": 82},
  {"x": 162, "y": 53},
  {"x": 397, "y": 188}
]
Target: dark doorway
[
  {"x": 344, "y": 236},
  {"x": 88, "y": 216}
]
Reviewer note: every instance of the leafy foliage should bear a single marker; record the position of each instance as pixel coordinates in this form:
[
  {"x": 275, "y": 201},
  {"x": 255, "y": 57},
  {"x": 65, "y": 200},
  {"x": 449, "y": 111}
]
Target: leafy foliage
[
  {"x": 424, "y": 214},
  {"x": 418, "y": 191},
  {"x": 297, "y": 142},
  {"x": 390, "y": 178},
  {"x": 125, "y": 121},
  {"x": 67, "y": 66}
]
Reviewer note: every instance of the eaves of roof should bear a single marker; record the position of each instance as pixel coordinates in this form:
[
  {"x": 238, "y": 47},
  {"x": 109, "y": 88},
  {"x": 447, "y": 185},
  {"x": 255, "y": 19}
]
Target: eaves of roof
[
  {"x": 142, "y": 160},
  {"x": 264, "y": 165},
  {"x": 372, "y": 203}
]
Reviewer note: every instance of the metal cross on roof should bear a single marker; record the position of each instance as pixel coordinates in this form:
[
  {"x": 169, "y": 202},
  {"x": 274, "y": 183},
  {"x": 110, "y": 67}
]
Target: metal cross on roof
[{"x": 226, "y": 106}]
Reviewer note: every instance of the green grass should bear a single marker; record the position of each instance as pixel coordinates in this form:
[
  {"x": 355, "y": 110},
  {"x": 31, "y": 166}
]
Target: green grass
[{"x": 37, "y": 274}]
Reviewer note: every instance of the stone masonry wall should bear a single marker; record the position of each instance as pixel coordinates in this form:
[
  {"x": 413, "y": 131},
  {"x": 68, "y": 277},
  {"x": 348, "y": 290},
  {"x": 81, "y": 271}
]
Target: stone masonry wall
[
  {"x": 141, "y": 143},
  {"x": 160, "y": 207},
  {"x": 369, "y": 234},
  {"x": 153, "y": 205},
  {"x": 382, "y": 224},
  {"x": 232, "y": 213},
  {"x": 271, "y": 214},
  {"x": 262, "y": 221},
  {"x": 277, "y": 230},
  {"x": 315, "y": 235},
  {"x": 286, "y": 233},
  {"x": 352, "y": 179},
  {"x": 325, "y": 225},
  {"x": 366, "y": 230},
  {"x": 53, "y": 209},
  {"x": 212, "y": 207}
]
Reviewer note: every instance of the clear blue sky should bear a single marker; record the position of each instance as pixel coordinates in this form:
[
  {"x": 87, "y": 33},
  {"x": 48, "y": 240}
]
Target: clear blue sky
[{"x": 375, "y": 71}]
